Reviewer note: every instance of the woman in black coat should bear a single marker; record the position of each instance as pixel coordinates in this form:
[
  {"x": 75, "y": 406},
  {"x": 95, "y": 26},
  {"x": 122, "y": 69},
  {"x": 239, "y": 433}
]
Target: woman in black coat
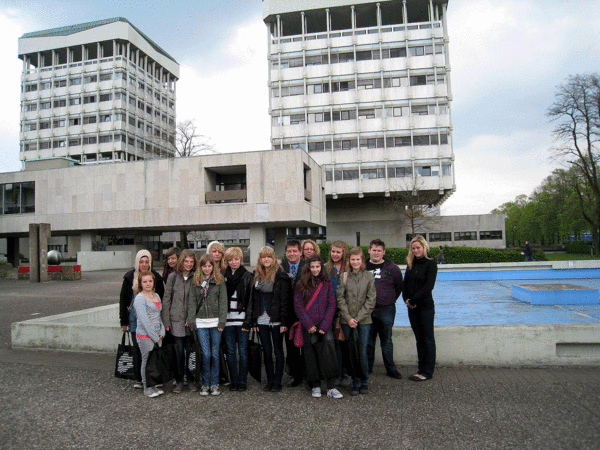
[{"x": 419, "y": 281}]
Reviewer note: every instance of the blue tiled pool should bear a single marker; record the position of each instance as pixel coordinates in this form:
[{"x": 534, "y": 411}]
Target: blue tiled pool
[{"x": 484, "y": 298}]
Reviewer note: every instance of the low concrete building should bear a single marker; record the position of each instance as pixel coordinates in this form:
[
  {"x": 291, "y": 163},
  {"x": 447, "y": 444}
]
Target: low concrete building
[{"x": 98, "y": 203}]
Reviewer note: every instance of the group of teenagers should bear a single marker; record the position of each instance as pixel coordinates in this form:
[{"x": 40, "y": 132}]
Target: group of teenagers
[{"x": 216, "y": 298}]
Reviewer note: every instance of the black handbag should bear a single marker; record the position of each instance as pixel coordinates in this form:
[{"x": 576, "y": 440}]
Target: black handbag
[
  {"x": 254, "y": 357},
  {"x": 161, "y": 365},
  {"x": 194, "y": 359},
  {"x": 224, "y": 378},
  {"x": 129, "y": 360},
  {"x": 352, "y": 354},
  {"x": 328, "y": 363}
]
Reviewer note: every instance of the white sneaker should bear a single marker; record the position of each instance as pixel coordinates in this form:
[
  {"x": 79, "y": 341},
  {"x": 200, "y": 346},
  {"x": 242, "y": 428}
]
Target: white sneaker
[
  {"x": 138, "y": 385},
  {"x": 214, "y": 390},
  {"x": 160, "y": 391},
  {"x": 151, "y": 392},
  {"x": 316, "y": 392},
  {"x": 204, "y": 390},
  {"x": 334, "y": 393}
]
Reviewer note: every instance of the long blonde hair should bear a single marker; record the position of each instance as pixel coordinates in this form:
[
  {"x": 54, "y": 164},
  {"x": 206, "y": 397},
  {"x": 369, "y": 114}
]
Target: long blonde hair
[
  {"x": 263, "y": 273},
  {"x": 216, "y": 273},
  {"x": 411, "y": 256},
  {"x": 345, "y": 266}
]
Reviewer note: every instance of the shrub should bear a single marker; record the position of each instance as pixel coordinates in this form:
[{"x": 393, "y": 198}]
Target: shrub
[
  {"x": 577, "y": 247},
  {"x": 452, "y": 255}
]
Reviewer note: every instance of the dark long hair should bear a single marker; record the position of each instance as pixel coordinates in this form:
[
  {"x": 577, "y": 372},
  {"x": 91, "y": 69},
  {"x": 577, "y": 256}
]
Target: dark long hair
[{"x": 308, "y": 283}]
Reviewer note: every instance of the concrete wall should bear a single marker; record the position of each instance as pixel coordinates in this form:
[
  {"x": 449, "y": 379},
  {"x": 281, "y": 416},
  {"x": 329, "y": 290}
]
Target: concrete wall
[
  {"x": 97, "y": 329},
  {"x": 91, "y": 261},
  {"x": 374, "y": 218},
  {"x": 167, "y": 194}
]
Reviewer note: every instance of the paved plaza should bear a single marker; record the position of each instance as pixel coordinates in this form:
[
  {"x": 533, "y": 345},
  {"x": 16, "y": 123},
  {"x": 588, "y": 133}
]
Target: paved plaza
[{"x": 55, "y": 399}]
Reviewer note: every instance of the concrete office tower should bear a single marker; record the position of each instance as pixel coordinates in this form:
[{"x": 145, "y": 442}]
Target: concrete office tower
[
  {"x": 364, "y": 87},
  {"x": 96, "y": 92}
]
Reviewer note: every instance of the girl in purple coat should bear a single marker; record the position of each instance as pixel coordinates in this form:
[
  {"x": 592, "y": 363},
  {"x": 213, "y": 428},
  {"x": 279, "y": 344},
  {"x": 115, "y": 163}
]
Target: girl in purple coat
[{"x": 314, "y": 303}]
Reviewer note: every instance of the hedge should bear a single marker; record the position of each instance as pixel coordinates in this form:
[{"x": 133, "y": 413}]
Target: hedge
[
  {"x": 577, "y": 247},
  {"x": 452, "y": 255}
]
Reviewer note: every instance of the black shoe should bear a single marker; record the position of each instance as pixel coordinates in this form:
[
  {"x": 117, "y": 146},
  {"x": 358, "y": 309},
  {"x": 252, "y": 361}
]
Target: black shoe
[
  {"x": 268, "y": 386},
  {"x": 363, "y": 390},
  {"x": 395, "y": 374},
  {"x": 355, "y": 391},
  {"x": 294, "y": 382},
  {"x": 242, "y": 388},
  {"x": 276, "y": 387},
  {"x": 233, "y": 387}
]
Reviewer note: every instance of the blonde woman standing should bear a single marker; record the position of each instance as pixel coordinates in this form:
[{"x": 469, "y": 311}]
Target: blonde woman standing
[
  {"x": 268, "y": 309},
  {"x": 419, "y": 281}
]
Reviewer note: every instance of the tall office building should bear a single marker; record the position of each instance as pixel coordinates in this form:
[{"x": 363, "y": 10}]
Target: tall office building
[
  {"x": 96, "y": 92},
  {"x": 364, "y": 87}
]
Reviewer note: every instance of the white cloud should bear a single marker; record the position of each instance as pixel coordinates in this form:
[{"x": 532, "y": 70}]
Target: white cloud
[
  {"x": 231, "y": 106},
  {"x": 494, "y": 169}
]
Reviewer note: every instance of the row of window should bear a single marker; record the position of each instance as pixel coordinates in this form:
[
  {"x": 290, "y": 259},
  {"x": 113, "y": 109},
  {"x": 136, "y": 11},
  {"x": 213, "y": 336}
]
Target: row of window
[
  {"x": 367, "y": 142},
  {"x": 97, "y": 97},
  {"x": 350, "y": 54},
  {"x": 461, "y": 236},
  {"x": 77, "y": 80},
  {"x": 17, "y": 198},
  {"x": 392, "y": 172},
  {"x": 93, "y": 140},
  {"x": 360, "y": 84},
  {"x": 91, "y": 119},
  {"x": 361, "y": 113}
]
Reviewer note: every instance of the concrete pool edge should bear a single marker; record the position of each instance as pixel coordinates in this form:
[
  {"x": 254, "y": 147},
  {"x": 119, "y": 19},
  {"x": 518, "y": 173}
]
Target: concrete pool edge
[{"x": 97, "y": 330}]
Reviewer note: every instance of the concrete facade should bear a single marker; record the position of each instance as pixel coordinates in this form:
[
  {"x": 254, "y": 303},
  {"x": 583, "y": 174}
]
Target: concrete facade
[
  {"x": 152, "y": 196},
  {"x": 96, "y": 92}
]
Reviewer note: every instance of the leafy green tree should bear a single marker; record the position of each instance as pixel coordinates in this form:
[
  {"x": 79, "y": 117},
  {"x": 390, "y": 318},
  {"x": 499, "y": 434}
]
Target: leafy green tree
[{"x": 576, "y": 112}]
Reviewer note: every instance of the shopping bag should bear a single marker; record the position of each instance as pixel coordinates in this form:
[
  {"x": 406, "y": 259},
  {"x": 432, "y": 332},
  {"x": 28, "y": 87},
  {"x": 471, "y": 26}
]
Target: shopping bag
[
  {"x": 161, "y": 365},
  {"x": 328, "y": 363},
  {"x": 129, "y": 360},
  {"x": 254, "y": 357},
  {"x": 352, "y": 354},
  {"x": 194, "y": 359}
]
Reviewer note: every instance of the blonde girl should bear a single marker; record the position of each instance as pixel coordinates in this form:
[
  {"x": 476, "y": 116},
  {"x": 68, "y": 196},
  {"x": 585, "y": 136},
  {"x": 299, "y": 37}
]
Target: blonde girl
[
  {"x": 268, "y": 305},
  {"x": 207, "y": 315}
]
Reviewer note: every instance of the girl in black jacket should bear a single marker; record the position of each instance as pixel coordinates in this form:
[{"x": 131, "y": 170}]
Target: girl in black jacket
[{"x": 268, "y": 310}]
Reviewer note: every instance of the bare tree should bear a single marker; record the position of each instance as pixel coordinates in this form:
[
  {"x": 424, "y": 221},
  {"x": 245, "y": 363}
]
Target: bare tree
[
  {"x": 413, "y": 206},
  {"x": 576, "y": 112},
  {"x": 189, "y": 142}
]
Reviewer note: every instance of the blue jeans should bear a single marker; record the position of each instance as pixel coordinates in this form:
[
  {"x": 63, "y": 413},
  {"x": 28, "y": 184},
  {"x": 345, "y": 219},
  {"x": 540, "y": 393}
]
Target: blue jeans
[
  {"x": 272, "y": 341},
  {"x": 210, "y": 340},
  {"x": 422, "y": 326},
  {"x": 383, "y": 323},
  {"x": 237, "y": 340},
  {"x": 363, "y": 336}
]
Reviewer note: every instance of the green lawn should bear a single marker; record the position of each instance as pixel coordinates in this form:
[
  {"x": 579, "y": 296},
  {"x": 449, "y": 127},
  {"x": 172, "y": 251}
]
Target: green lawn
[{"x": 568, "y": 256}]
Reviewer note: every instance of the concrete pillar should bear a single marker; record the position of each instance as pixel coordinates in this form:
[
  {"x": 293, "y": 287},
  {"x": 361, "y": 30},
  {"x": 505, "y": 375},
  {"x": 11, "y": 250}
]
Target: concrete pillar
[
  {"x": 404, "y": 12},
  {"x": 280, "y": 241},
  {"x": 353, "y": 17},
  {"x": 278, "y": 26},
  {"x": 34, "y": 253},
  {"x": 258, "y": 239},
  {"x": 86, "y": 242},
  {"x": 12, "y": 251},
  {"x": 379, "y": 15},
  {"x": 328, "y": 18},
  {"x": 43, "y": 251},
  {"x": 303, "y": 23}
]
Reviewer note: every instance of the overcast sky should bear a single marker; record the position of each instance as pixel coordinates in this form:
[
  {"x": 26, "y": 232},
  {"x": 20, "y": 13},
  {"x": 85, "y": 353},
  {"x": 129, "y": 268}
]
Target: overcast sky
[{"x": 507, "y": 58}]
